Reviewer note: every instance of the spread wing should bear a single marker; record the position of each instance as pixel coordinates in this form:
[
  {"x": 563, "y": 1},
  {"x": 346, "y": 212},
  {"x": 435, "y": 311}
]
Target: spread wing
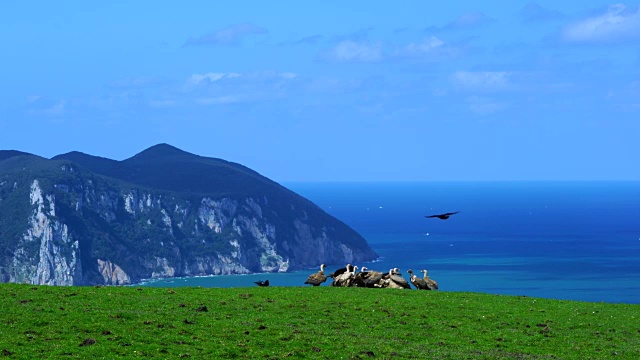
[{"x": 440, "y": 215}]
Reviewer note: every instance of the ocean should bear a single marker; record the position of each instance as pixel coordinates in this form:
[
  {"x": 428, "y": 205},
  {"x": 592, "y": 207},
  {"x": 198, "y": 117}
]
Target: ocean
[{"x": 561, "y": 240}]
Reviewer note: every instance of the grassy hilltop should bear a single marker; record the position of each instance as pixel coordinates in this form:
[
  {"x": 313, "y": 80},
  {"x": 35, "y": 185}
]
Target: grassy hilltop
[{"x": 296, "y": 322}]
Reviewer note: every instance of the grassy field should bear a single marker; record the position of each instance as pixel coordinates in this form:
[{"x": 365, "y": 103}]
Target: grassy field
[{"x": 302, "y": 323}]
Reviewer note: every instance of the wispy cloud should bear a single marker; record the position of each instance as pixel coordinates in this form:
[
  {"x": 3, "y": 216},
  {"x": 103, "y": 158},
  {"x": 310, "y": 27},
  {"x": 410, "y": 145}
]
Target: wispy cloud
[
  {"x": 426, "y": 46},
  {"x": 617, "y": 24},
  {"x": 38, "y": 105},
  {"x": 432, "y": 49},
  {"x": 209, "y": 78},
  {"x": 163, "y": 103},
  {"x": 307, "y": 40},
  {"x": 533, "y": 12},
  {"x": 353, "y": 51},
  {"x": 228, "y": 36},
  {"x": 483, "y": 81},
  {"x": 358, "y": 36},
  {"x": 136, "y": 82},
  {"x": 219, "y": 100},
  {"x": 467, "y": 20},
  {"x": 215, "y": 77},
  {"x": 227, "y": 88},
  {"x": 484, "y": 106}
]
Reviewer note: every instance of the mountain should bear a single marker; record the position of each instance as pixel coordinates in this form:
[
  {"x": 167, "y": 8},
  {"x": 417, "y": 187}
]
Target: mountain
[
  {"x": 5, "y": 154},
  {"x": 78, "y": 219}
]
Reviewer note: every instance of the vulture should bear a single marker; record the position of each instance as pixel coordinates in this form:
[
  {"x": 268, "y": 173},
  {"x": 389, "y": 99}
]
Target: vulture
[
  {"x": 396, "y": 281},
  {"x": 366, "y": 278},
  {"x": 384, "y": 280},
  {"x": 444, "y": 216},
  {"x": 317, "y": 278},
  {"x": 420, "y": 284},
  {"x": 371, "y": 278},
  {"x": 345, "y": 278},
  {"x": 358, "y": 279},
  {"x": 340, "y": 271},
  {"x": 262, "y": 283},
  {"x": 432, "y": 284},
  {"x": 336, "y": 274}
]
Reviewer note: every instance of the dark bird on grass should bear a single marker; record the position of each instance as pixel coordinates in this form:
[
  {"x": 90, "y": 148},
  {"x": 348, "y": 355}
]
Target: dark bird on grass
[
  {"x": 363, "y": 278},
  {"x": 432, "y": 284},
  {"x": 262, "y": 283},
  {"x": 345, "y": 278},
  {"x": 420, "y": 284},
  {"x": 397, "y": 279},
  {"x": 394, "y": 281},
  {"x": 317, "y": 278},
  {"x": 340, "y": 271},
  {"x": 444, "y": 216},
  {"x": 371, "y": 278},
  {"x": 338, "y": 274}
]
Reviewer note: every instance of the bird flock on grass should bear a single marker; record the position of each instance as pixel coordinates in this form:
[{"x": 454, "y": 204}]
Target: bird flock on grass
[{"x": 349, "y": 276}]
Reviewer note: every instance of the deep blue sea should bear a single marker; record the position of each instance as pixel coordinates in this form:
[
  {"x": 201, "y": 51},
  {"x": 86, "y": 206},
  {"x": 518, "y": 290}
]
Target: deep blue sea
[{"x": 561, "y": 240}]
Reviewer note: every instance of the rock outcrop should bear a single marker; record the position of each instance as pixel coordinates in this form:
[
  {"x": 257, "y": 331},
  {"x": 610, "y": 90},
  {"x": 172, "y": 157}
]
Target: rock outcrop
[{"x": 79, "y": 220}]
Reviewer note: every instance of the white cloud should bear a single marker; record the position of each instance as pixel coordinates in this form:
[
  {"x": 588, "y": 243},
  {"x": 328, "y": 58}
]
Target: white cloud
[
  {"x": 43, "y": 106},
  {"x": 218, "y": 100},
  {"x": 136, "y": 82},
  {"x": 213, "y": 77},
  {"x": 430, "y": 49},
  {"x": 426, "y": 46},
  {"x": 352, "y": 51},
  {"x": 288, "y": 75},
  {"x": 467, "y": 20},
  {"x": 216, "y": 88},
  {"x": 484, "y": 106},
  {"x": 227, "y": 36},
  {"x": 166, "y": 103},
  {"x": 617, "y": 24},
  {"x": 307, "y": 40},
  {"x": 332, "y": 85},
  {"x": 482, "y": 80},
  {"x": 209, "y": 78},
  {"x": 470, "y": 19},
  {"x": 533, "y": 12}
]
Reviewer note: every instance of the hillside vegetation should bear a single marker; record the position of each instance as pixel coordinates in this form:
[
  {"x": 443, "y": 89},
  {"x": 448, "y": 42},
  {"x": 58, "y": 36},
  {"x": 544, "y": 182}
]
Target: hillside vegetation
[
  {"x": 78, "y": 219},
  {"x": 296, "y": 322}
]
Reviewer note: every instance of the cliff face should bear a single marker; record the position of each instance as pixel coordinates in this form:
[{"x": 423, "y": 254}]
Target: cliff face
[
  {"x": 57, "y": 260},
  {"x": 93, "y": 222}
]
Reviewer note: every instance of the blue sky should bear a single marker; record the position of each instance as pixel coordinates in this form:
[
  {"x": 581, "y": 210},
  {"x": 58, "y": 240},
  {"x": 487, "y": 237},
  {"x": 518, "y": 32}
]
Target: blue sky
[{"x": 332, "y": 90}]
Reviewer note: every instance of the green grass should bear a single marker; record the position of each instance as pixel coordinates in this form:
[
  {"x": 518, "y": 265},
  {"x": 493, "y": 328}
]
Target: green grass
[{"x": 301, "y": 323}]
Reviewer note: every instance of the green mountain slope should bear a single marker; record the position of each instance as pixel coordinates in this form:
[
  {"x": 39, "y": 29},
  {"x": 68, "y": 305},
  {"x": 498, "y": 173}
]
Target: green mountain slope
[{"x": 82, "y": 219}]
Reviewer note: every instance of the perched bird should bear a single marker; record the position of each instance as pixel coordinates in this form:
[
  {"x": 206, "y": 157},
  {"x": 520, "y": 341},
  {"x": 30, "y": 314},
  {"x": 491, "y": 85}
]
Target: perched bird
[
  {"x": 262, "y": 283},
  {"x": 338, "y": 274},
  {"x": 420, "y": 284},
  {"x": 432, "y": 284},
  {"x": 345, "y": 279},
  {"x": 384, "y": 280},
  {"x": 370, "y": 278},
  {"x": 340, "y": 271},
  {"x": 318, "y": 278},
  {"x": 396, "y": 281},
  {"x": 444, "y": 216}
]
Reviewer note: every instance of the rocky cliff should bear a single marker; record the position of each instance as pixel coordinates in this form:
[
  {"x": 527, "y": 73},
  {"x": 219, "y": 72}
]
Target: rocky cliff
[{"x": 77, "y": 219}]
